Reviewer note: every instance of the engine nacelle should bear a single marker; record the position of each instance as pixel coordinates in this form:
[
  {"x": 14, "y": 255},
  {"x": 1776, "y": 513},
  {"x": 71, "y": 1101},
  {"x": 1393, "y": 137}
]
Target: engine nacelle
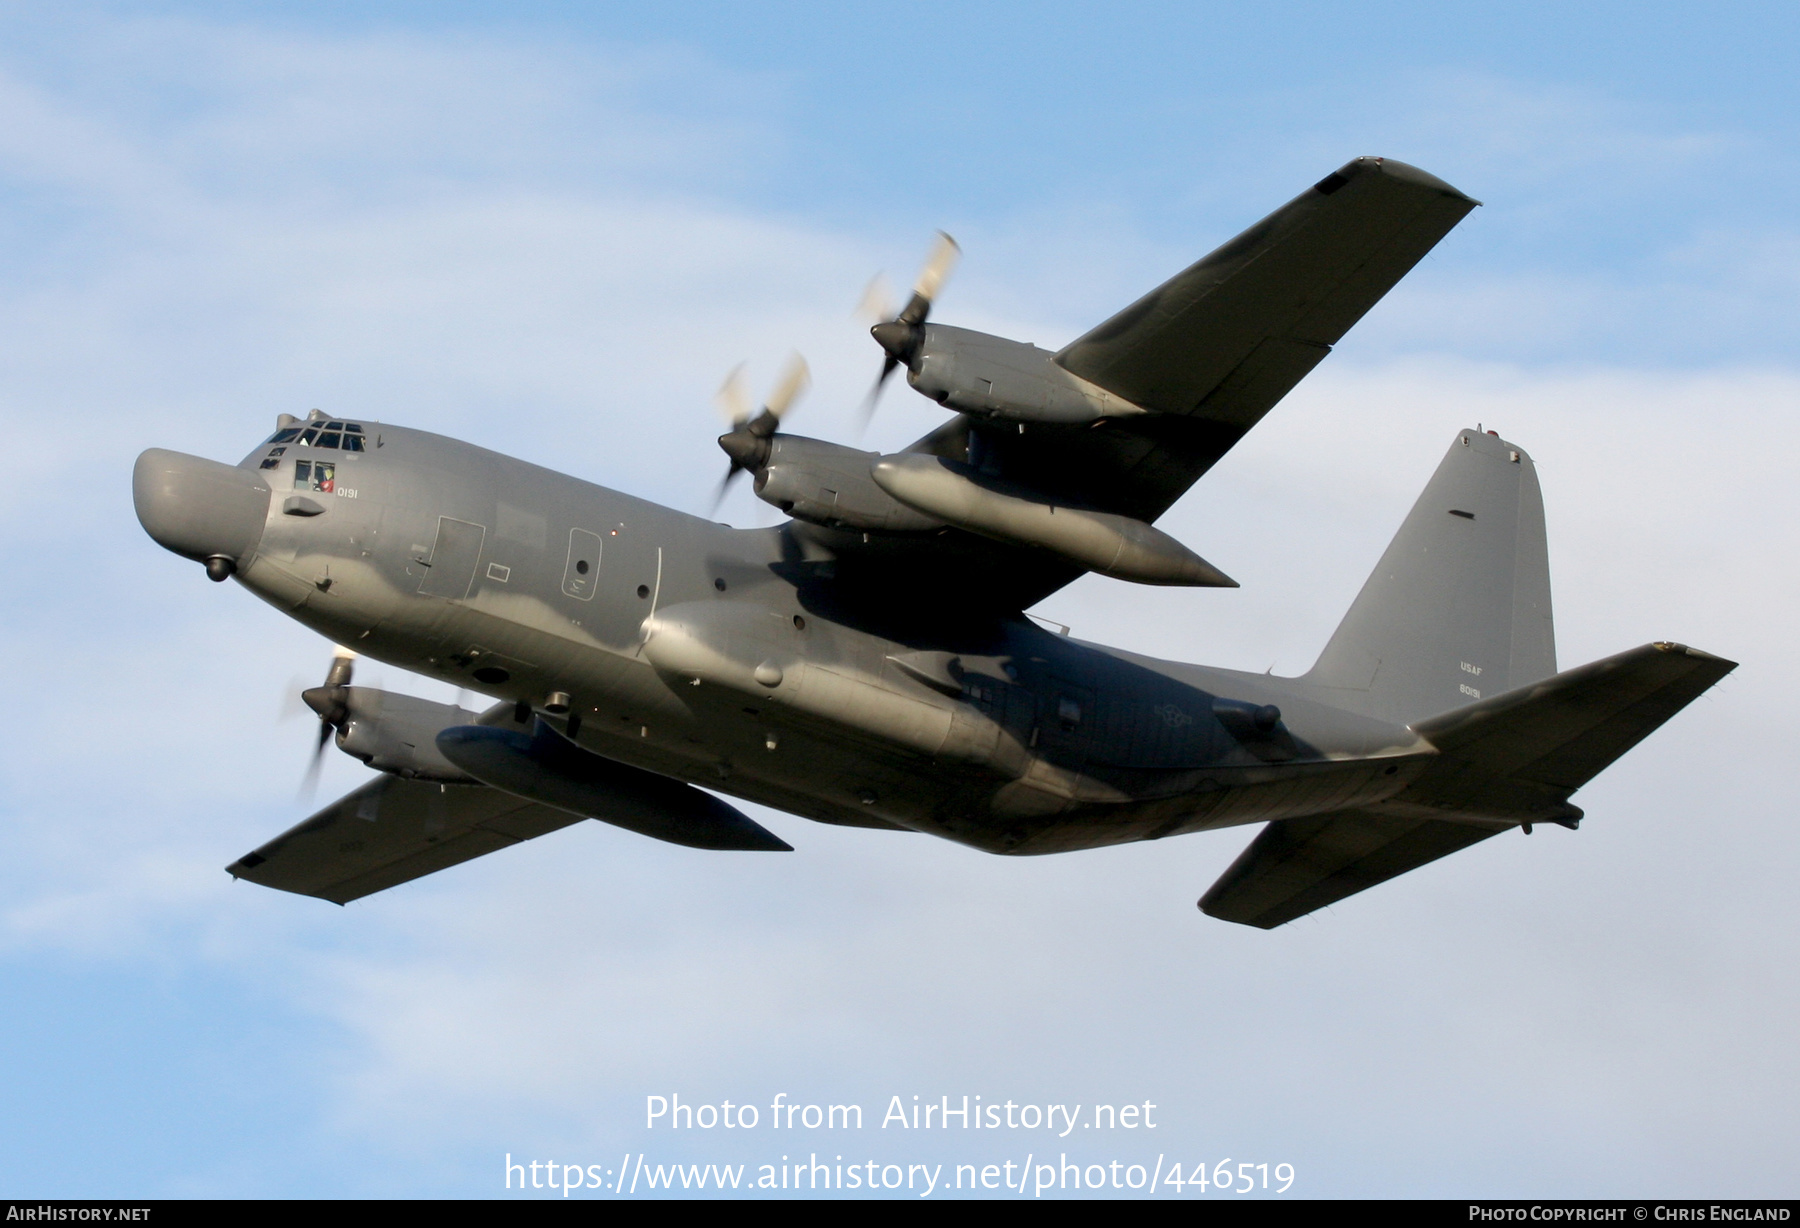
[
  {"x": 398, "y": 734},
  {"x": 829, "y": 485},
  {"x": 993, "y": 377}
]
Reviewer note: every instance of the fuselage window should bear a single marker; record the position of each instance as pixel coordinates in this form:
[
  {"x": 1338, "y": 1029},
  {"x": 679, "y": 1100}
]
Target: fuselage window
[
  {"x": 324, "y": 477},
  {"x": 315, "y": 475},
  {"x": 329, "y": 436},
  {"x": 271, "y": 463},
  {"x": 276, "y": 451}
]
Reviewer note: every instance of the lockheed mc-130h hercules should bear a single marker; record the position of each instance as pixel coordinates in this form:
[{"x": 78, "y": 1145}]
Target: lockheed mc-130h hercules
[{"x": 869, "y": 662}]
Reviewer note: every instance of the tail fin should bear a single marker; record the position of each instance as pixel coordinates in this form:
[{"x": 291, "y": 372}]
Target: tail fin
[{"x": 1459, "y": 606}]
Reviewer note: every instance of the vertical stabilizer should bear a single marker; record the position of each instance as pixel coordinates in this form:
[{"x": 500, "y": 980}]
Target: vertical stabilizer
[{"x": 1459, "y": 606}]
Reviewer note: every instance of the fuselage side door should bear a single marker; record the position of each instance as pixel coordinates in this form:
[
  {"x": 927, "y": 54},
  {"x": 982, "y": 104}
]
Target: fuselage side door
[
  {"x": 451, "y": 568},
  {"x": 1065, "y": 723}
]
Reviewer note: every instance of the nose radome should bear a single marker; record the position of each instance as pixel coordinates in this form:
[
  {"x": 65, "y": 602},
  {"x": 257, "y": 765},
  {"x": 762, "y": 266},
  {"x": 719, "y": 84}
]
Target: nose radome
[{"x": 200, "y": 509}]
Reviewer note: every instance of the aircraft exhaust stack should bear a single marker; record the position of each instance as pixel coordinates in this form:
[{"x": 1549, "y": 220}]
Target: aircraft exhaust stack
[{"x": 1110, "y": 544}]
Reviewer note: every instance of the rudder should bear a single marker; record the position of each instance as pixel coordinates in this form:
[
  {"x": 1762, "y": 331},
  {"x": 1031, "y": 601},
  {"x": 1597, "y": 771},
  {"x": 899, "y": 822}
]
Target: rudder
[{"x": 1459, "y": 606}]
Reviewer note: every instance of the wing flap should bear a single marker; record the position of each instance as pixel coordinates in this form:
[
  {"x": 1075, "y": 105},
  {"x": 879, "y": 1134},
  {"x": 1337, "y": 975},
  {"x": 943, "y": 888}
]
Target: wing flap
[
  {"x": 1298, "y": 865},
  {"x": 391, "y": 831},
  {"x": 1305, "y": 273}
]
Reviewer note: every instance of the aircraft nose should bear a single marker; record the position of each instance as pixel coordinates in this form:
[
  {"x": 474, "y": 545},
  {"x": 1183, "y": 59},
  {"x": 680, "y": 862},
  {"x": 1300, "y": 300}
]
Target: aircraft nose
[{"x": 200, "y": 509}]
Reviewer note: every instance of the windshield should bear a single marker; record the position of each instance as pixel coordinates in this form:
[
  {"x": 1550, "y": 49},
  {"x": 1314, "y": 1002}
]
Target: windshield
[{"x": 343, "y": 436}]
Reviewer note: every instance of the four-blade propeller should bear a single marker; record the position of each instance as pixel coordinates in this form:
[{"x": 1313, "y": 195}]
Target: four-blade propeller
[
  {"x": 901, "y": 333},
  {"x": 332, "y": 703},
  {"x": 747, "y": 442}
]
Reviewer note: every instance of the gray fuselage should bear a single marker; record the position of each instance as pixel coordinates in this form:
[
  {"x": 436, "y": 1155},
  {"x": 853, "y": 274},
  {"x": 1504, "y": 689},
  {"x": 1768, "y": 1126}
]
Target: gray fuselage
[{"x": 719, "y": 656}]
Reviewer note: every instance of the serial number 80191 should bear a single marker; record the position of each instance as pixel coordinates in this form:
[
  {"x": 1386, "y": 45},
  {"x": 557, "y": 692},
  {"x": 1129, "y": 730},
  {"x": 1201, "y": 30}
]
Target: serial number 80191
[{"x": 1222, "y": 1177}]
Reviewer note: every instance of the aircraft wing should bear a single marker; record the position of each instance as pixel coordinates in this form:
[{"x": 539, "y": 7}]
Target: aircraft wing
[
  {"x": 1225, "y": 339},
  {"x": 1209, "y": 352},
  {"x": 391, "y": 831}
]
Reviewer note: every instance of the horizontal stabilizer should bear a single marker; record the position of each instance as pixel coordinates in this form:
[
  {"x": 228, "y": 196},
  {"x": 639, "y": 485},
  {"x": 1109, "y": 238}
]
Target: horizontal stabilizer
[
  {"x": 391, "y": 831},
  {"x": 1500, "y": 761},
  {"x": 1298, "y": 865},
  {"x": 1565, "y": 730}
]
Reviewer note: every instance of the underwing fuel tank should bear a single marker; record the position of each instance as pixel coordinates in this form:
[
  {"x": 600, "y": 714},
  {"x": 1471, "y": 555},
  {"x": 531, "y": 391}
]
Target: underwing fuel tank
[
  {"x": 546, "y": 767},
  {"x": 1112, "y": 545}
]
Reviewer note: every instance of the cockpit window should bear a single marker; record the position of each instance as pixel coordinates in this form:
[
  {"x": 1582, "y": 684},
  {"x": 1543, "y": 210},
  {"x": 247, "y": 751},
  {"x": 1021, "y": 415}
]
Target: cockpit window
[
  {"x": 315, "y": 475},
  {"x": 345, "y": 436}
]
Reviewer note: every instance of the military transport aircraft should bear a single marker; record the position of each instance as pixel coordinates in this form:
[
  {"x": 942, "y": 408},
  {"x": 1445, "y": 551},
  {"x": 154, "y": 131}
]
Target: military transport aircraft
[{"x": 869, "y": 662}]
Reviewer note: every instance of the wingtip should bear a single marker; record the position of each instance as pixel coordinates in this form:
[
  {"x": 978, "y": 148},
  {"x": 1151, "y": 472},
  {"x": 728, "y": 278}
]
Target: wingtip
[
  {"x": 1674, "y": 647},
  {"x": 1406, "y": 172}
]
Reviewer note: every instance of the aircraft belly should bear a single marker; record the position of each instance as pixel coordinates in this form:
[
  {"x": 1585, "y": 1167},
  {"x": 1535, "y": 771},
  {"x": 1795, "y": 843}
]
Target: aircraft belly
[{"x": 1213, "y": 798}]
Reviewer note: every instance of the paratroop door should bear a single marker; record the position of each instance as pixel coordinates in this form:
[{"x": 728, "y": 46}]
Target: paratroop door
[{"x": 451, "y": 568}]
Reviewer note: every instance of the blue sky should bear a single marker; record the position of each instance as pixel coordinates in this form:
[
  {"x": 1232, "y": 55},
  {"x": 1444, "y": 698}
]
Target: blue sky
[{"x": 551, "y": 230}]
